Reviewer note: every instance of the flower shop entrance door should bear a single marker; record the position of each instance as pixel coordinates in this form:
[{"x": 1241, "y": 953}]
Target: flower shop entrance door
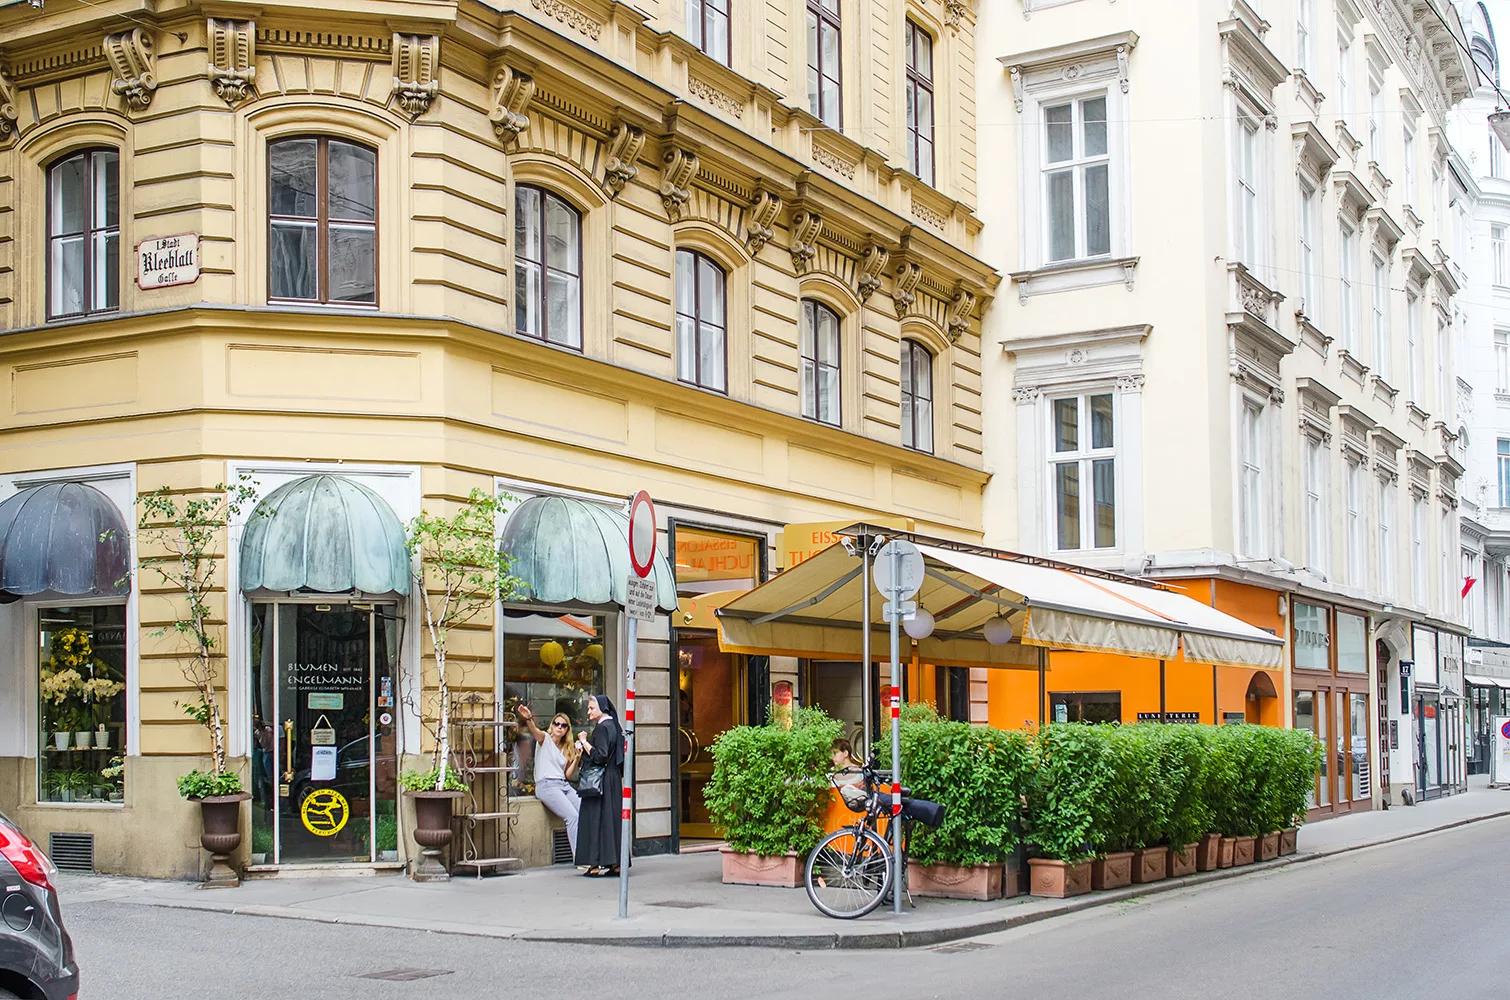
[{"x": 324, "y": 762}]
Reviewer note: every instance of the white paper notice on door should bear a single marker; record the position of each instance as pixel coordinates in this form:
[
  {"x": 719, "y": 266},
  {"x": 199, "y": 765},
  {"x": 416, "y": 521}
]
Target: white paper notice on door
[{"x": 322, "y": 764}]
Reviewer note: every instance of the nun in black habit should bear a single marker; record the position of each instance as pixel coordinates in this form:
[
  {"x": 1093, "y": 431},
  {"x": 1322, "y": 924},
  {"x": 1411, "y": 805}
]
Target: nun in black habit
[{"x": 600, "y": 824}]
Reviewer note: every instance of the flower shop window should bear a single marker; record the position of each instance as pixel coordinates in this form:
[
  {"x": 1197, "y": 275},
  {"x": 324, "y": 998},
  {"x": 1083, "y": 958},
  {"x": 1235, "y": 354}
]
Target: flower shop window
[
  {"x": 551, "y": 662},
  {"x": 81, "y": 692}
]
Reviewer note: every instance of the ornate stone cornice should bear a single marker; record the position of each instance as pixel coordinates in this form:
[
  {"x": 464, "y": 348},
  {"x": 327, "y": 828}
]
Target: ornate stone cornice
[
  {"x": 416, "y": 61},
  {"x": 569, "y": 16},
  {"x": 233, "y": 59},
  {"x": 872, "y": 267},
  {"x": 677, "y": 170},
  {"x": 761, "y": 218},
  {"x": 623, "y": 152},
  {"x": 132, "y": 59},
  {"x": 512, "y": 93},
  {"x": 806, "y": 225}
]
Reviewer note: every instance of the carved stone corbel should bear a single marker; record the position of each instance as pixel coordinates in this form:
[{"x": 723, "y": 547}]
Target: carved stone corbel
[
  {"x": 416, "y": 61},
  {"x": 904, "y": 288},
  {"x": 806, "y": 226},
  {"x": 9, "y": 113},
  {"x": 872, "y": 267},
  {"x": 763, "y": 212},
  {"x": 512, "y": 93},
  {"x": 1016, "y": 73},
  {"x": 134, "y": 65},
  {"x": 623, "y": 152},
  {"x": 233, "y": 59},
  {"x": 957, "y": 318},
  {"x": 677, "y": 170},
  {"x": 954, "y": 13}
]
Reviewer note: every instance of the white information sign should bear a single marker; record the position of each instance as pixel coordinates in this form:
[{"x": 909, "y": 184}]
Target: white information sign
[
  {"x": 322, "y": 763},
  {"x": 910, "y": 571},
  {"x": 1499, "y": 761},
  {"x": 639, "y": 598},
  {"x": 167, "y": 260}
]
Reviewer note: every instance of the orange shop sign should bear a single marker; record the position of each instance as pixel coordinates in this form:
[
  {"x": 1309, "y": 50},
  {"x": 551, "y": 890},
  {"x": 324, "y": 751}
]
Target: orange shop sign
[{"x": 799, "y": 542}]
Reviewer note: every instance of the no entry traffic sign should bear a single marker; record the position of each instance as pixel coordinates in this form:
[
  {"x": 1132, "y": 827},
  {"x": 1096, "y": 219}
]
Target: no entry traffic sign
[{"x": 641, "y": 534}]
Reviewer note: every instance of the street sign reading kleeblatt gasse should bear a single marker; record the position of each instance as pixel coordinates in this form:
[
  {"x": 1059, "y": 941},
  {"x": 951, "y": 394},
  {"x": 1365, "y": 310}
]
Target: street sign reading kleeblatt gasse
[{"x": 167, "y": 261}]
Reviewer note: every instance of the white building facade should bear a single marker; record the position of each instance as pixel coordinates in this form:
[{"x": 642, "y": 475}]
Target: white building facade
[{"x": 1225, "y": 358}]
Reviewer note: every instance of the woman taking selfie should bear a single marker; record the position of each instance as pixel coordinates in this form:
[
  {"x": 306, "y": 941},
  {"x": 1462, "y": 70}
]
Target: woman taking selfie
[
  {"x": 556, "y": 761},
  {"x": 602, "y": 790}
]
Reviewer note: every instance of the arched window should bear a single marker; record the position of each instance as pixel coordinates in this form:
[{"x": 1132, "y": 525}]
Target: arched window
[
  {"x": 547, "y": 267},
  {"x": 322, "y": 221},
  {"x": 701, "y": 321},
  {"x": 917, "y": 397},
  {"x": 84, "y": 233},
  {"x": 820, "y": 363}
]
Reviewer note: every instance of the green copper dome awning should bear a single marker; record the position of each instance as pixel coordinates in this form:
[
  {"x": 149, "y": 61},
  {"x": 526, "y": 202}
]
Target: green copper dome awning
[
  {"x": 569, "y": 551},
  {"x": 324, "y": 535}
]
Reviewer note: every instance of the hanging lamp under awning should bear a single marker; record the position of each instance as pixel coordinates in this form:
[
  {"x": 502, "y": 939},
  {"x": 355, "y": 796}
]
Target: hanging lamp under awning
[
  {"x": 63, "y": 538},
  {"x": 324, "y": 534},
  {"x": 574, "y": 552}
]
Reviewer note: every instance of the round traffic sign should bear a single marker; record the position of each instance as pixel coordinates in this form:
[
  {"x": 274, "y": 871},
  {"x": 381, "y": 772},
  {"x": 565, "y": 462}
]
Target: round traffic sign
[
  {"x": 641, "y": 534},
  {"x": 1505, "y": 729},
  {"x": 909, "y": 575}
]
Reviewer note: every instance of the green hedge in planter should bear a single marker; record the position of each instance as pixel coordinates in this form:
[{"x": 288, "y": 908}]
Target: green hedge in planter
[
  {"x": 1182, "y": 757},
  {"x": 1068, "y": 784},
  {"x": 770, "y": 783}
]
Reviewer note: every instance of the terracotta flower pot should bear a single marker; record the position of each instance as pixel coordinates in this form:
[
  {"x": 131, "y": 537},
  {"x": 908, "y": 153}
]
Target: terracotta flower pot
[
  {"x": 784, "y": 870},
  {"x": 1268, "y": 846},
  {"x": 1112, "y": 871},
  {"x": 1182, "y": 860},
  {"x": 956, "y": 881},
  {"x": 220, "y": 818},
  {"x": 1058, "y": 880},
  {"x": 1208, "y": 852},
  {"x": 1224, "y": 858},
  {"x": 432, "y": 831},
  {"x": 1243, "y": 850},
  {"x": 1150, "y": 864},
  {"x": 1287, "y": 841}
]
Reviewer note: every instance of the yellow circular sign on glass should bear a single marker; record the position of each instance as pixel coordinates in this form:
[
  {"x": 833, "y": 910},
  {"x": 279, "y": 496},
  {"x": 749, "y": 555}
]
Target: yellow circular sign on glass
[{"x": 325, "y": 812}]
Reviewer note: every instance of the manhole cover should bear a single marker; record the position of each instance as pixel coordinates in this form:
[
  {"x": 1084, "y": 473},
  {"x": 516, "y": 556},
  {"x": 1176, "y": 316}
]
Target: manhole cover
[
  {"x": 404, "y": 975},
  {"x": 959, "y": 946},
  {"x": 678, "y": 904}
]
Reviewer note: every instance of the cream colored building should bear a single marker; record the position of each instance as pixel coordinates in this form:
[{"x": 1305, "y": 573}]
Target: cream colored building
[
  {"x": 566, "y": 248},
  {"x": 1224, "y": 358}
]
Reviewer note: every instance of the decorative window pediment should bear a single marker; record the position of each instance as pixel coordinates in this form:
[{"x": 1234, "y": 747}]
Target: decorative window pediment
[{"x": 1248, "y": 64}]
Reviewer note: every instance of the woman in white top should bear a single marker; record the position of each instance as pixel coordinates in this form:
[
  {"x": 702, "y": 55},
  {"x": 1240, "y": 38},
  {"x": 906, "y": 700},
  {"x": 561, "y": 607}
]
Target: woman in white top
[{"x": 556, "y": 763}]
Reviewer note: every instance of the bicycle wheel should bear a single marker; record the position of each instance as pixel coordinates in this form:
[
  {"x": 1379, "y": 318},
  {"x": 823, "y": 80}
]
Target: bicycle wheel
[{"x": 848, "y": 873}]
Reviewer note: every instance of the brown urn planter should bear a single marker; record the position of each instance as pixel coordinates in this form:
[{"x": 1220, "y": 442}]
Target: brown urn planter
[
  {"x": 432, "y": 831},
  {"x": 1182, "y": 860},
  {"x": 1058, "y": 880},
  {"x": 1243, "y": 850},
  {"x": 1268, "y": 846},
  {"x": 221, "y": 819},
  {"x": 1150, "y": 864},
  {"x": 1287, "y": 841},
  {"x": 783, "y": 871},
  {"x": 1208, "y": 852},
  {"x": 1112, "y": 871},
  {"x": 1224, "y": 857},
  {"x": 956, "y": 881}
]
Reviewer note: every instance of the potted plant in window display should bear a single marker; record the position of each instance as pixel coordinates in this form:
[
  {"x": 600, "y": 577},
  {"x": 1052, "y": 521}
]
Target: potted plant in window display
[
  {"x": 460, "y": 574},
  {"x": 769, "y": 787},
  {"x": 114, "y": 774},
  {"x": 184, "y": 535},
  {"x": 1068, "y": 781}
]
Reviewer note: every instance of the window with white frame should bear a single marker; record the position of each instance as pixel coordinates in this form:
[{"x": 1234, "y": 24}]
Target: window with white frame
[
  {"x": 1354, "y": 525},
  {"x": 917, "y": 397},
  {"x": 701, "y": 321},
  {"x": 1496, "y": 155},
  {"x": 1413, "y": 348},
  {"x": 1408, "y": 190},
  {"x": 1247, "y": 213},
  {"x": 1502, "y": 360},
  {"x": 1345, "y": 80},
  {"x": 1502, "y": 458},
  {"x": 1310, "y": 302},
  {"x": 1076, "y": 179},
  {"x": 1379, "y": 296},
  {"x": 1469, "y": 569},
  {"x": 708, "y": 27},
  {"x": 83, "y": 233},
  {"x": 820, "y": 363},
  {"x": 1385, "y": 563},
  {"x": 1444, "y": 560},
  {"x": 1376, "y": 120},
  {"x": 1252, "y": 521},
  {"x": 1303, "y": 30},
  {"x": 1444, "y": 374},
  {"x": 1083, "y": 471},
  {"x": 1347, "y": 297},
  {"x": 1418, "y": 549},
  {"x": 919, "y": 52},
  {"x": 825, "y": 89},
  {"x": 1501, "y": 259},
  {"x": 1315, "y": 505}
]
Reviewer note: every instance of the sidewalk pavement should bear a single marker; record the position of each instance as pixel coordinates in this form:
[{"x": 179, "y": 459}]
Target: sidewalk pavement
[{"x": 679, "y": 901}]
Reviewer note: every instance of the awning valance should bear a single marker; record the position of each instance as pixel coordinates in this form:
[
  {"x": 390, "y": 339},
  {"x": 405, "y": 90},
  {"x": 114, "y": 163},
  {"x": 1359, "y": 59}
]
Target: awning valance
[
  {"x": 1479, "y": 680},
  {"x": 813, "y": 609},
  {"x": 324, "y": 534},
  {"x": 574, "y": 552},
  {"x": 63, "y": 538}
]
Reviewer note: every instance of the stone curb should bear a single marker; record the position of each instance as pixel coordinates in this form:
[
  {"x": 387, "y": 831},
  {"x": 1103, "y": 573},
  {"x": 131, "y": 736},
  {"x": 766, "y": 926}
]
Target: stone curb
[{"x": 860, "y": 939}]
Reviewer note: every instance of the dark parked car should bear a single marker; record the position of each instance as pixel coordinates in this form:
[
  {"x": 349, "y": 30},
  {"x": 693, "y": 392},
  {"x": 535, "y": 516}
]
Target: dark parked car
[{"x": 36, "y": 954}]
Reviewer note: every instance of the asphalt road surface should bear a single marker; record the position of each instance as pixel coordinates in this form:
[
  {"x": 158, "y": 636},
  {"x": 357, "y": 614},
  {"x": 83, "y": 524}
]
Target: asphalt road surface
[{"x": 1421, "y": 918}]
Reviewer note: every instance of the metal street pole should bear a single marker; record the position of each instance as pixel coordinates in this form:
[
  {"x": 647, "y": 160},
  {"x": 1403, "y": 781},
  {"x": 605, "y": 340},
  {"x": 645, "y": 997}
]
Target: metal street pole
[
  {"x": 896, "y": 728},
  {"x": 627, "y": 835},
  {"x": 866, "y": 693}
]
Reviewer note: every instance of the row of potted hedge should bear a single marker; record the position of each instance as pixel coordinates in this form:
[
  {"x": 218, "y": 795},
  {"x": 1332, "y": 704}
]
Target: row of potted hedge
[{"x": 1087, "y": 806}]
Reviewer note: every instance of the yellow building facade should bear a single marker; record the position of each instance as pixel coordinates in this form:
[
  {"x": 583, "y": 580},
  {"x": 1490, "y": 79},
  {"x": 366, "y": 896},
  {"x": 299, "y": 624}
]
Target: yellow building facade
[{"x": 549, "y": 248}]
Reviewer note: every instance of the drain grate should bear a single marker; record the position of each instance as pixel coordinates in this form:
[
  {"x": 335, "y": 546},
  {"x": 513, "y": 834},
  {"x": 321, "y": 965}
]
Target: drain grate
[
  {"x": 677, "y": 904},
  {"x": 959, "y": 946},
  {"x": 71, "y": 852},
  {"x": 560, "y": 848},
  {"x": 404, "y": 975}
]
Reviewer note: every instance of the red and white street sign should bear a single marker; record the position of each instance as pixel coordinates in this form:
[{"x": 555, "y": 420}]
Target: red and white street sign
[{"x": 641, "y": 534}]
